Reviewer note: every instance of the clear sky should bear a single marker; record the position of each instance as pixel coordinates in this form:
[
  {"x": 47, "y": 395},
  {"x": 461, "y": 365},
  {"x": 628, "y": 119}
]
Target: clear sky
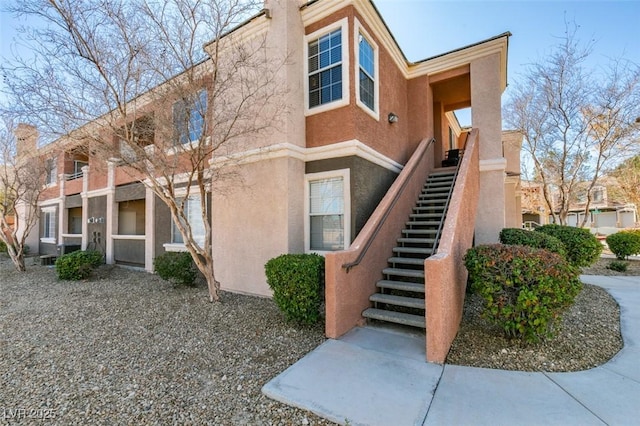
[{"x": 425, "y": 28}]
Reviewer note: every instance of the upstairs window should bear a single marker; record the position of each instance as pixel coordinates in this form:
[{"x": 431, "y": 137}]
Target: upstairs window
[
  {"x": 366, "y": 76},
  {"x": 188, "y": 118},
  {"x": 325, "y": 69},
  {"x": 51, "y": 168},
  {"x": 367, "y": 73}
]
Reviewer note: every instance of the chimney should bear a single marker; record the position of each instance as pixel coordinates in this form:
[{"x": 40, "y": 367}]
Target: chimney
[{"x": 26, "y": 139}]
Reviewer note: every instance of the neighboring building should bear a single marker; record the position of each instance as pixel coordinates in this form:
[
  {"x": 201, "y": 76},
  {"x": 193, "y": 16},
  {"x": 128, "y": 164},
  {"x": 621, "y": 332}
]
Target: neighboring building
[
  {"x": 606, "y": 214},
  {"x": 341, "y": 178}
]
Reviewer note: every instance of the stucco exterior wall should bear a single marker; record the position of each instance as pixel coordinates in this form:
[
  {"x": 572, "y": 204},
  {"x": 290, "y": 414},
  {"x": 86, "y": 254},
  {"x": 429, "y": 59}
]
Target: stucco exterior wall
[
  {"x": 256, "y": 217},
  {"x": 487, "y": 117}
]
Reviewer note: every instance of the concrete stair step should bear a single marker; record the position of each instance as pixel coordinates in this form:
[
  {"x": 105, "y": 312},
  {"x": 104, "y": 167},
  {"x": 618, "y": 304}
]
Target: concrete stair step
[
  {"x": 419, "y": 231},
  {"x": 425, "y": 215},
  {"x": 399, "y": 272},
  {"x": 406, "y": 260},
  {"x": 414, "y": 250},
  {"x": 406, "y": 240},
  {"x": 423, "y": 223},
  {"x": 389, "y": 299},
  {"x": 433, "y": 208},
  {"x": 395, "y": 317},
  {"x": 401, "y": 285}
]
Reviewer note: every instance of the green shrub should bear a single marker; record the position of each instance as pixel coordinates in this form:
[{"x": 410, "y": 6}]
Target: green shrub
[
  {"x": 583, "y": 248},
  {"x": 524, "y": 289},
  {"x": 297, "y": 281},
  {"x": 3, "y": 247},
  {"x": 78, "y": 265},
  {"x": 618, "y": 265},
  {"x": 624, "y": 244},
  {"x": 177, "y": 267},
  {"x": 523, "y": 237}
]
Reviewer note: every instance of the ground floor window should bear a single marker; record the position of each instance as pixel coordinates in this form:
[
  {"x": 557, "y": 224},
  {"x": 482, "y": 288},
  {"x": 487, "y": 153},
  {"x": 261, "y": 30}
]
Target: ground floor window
[
  {"x": 328, "y": 211},
  {"x": 75, "y": 220},
  {"x": 131, "y": 217},
  {"x": 193, "y": 213},
  {"x": 48, "y": 218}
]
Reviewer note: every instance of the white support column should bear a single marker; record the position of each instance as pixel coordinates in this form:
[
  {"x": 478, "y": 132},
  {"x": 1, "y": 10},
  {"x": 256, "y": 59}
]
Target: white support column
[
  {"x": 62, "y": 214},
  {"x": 111, "y": 206},
  {"x": 85, "y": 208},
  {"x": 149, "y": 226}
]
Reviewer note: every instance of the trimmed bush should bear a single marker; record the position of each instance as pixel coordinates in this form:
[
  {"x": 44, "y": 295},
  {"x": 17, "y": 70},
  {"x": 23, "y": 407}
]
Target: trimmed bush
[
  {"x": 523, "y": 237},
  {"x": 297, "y": 281},
  {"x": 177, "y": 267},
  {"x": 583, "y": 248},
  {"x": 618, "y": 265},
  {"x": 624, "y": 244},
  {"x": 78, "y": 265},
  {"x": 3, "y": 247},
  {"x": 524, "y": 289}
]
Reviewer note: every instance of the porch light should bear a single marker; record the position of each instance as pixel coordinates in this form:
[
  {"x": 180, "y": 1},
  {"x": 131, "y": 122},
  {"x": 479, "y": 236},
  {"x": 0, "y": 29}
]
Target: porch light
[{"x": 392, "y": 118}]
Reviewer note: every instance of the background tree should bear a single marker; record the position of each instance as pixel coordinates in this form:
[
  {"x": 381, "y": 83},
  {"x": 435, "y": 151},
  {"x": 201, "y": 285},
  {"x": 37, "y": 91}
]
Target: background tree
[
  {"x": 576, "y": 121},
  {"x": 129, "y": 82},
  {"x": 627, "y": 177},
  {"x": 21, "y": 182}
]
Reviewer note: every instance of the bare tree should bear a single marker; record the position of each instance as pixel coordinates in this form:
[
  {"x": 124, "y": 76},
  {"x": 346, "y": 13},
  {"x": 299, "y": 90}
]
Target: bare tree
[
  {"x": 627, "y": 178},
  {"x": 576, "y": 121},
  {"x": 130, "y": 83},
  {"x": 21, "y": 182}
]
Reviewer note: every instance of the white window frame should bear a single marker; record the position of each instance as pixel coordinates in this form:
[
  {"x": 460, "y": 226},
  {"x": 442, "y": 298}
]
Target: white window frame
[
  {"x": 51, "y": 179},
  {"x": 360, "y": 30},
  {"x": 343, "y": 25},
  {"x": 172, "y": 246},
  {"x": 345, "y": 174},
  {"x": 53, "y": 220},
  {"x": 192, "y": 106}
]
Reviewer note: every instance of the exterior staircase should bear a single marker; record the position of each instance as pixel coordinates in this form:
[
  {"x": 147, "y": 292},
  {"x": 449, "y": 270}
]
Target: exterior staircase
[{"x": 400, "y": 296}]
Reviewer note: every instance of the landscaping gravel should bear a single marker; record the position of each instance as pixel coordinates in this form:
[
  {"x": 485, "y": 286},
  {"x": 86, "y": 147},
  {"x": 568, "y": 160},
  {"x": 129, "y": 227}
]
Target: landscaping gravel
[{"x": 125, "y": 347}]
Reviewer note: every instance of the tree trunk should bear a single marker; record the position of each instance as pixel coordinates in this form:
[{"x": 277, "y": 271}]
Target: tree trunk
[{"x": 17, "y": 257}]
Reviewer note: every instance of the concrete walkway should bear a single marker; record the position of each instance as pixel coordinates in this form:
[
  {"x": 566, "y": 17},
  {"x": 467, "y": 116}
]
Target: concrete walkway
[{"x": 376, "y": 376}]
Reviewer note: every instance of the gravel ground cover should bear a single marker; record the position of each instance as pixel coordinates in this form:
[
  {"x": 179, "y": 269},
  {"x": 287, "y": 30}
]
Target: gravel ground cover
[{"x": 125, "y": 347}]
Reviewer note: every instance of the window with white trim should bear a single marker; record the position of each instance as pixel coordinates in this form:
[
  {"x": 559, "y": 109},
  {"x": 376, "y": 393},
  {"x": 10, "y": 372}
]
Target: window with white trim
[
  {"x": 328, "y": 207},
  {"x": 367, "y": 71},
  {"x": 189, "y": 116},
  {"x": 367, "y": 74},
  {"x": 193, "y": 212},
  {"x": 327, "y": 67},
  {"x": 49, "y": 223},
  {"x": 51, "y": 168}
]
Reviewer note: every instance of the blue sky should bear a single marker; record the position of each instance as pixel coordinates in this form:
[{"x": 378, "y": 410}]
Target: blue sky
[{"x": 424, "y": 28}]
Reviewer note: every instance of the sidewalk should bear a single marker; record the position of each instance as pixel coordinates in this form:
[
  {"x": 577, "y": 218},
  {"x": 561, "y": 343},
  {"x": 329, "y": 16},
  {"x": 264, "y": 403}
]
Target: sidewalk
[{"x": 376, "y": 376}]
